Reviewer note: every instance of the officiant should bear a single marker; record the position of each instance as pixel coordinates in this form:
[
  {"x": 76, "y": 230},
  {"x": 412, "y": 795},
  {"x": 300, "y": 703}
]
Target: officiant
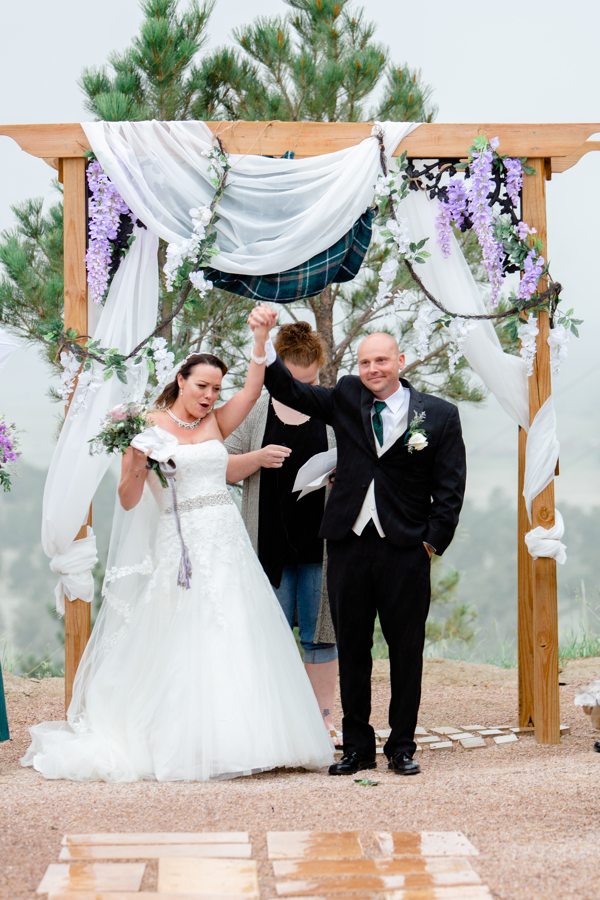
[{"x": 266, "y": 452}]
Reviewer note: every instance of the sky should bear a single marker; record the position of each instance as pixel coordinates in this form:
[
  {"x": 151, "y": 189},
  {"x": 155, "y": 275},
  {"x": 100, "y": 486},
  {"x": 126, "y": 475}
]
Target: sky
[{"x": 509, "y": 62}]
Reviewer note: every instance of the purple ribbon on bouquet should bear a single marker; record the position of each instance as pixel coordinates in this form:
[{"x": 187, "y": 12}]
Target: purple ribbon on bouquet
[{"x": 169, "y": 470}]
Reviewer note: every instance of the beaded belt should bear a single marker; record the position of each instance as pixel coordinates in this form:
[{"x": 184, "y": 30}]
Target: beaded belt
[{"x": 220, "y": 499}]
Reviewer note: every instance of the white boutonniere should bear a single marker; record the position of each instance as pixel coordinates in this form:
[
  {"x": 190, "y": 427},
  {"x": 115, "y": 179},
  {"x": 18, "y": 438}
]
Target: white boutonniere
[{"x": 416, "y": 437}]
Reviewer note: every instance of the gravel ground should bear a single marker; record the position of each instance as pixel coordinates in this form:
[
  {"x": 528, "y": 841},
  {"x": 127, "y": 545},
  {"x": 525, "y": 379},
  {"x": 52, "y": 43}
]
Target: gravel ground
[{"x": 531, "y": 811}]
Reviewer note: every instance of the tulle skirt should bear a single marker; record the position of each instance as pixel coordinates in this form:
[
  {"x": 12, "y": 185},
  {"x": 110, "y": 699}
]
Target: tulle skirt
[{"x": 199, "y": 684}]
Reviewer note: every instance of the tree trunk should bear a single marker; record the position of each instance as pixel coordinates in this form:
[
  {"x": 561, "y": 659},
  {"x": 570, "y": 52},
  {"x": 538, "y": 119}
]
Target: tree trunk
[
  {"x": 323, "y": 310},
  {"x": 165, "y": 306}
]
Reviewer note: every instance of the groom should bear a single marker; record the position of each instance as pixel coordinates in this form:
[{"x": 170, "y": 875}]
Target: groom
[{"x": 396, "y": 499}]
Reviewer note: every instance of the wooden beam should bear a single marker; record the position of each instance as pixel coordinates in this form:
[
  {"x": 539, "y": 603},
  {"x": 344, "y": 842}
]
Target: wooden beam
[
  {"x": 562, "y": 163},
  {"x": 77, "y": 612},
  {"x": 525, "y": 601},
  {"x": 545, "y": 611},
  {"x": 430, "y": 140}
]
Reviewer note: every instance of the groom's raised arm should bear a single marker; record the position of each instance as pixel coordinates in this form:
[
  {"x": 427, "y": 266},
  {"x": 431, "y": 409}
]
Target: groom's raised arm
[{"x": 310, "y": 399}]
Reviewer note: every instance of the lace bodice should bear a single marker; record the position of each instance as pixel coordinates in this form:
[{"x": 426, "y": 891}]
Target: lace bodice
[{"x": 200, "y": 474}]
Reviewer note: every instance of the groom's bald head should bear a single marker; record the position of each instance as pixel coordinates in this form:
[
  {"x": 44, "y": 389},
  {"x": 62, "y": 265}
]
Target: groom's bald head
[{"x": 380, "y": 363}]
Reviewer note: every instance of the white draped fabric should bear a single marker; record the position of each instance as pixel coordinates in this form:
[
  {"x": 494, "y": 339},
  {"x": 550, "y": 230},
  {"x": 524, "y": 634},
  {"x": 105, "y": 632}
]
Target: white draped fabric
[
  {"x": 547, "y": 541},
  {"x": 74, "y": 475},
  {"x": 74, "y": 569},
  {"x": 541, "y": 455},
  {"x": 275, "y": 214}
]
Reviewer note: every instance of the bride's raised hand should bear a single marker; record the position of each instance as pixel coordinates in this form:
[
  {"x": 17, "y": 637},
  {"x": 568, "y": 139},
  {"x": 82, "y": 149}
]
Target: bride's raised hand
[{"x": 261, "y": 320}]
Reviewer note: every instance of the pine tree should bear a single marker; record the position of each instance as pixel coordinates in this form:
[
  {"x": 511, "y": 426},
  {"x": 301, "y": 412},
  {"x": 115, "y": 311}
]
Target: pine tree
[
  {"x": 317, "y": 62},
  {"x": 157, "y": 76},
  {"x": 31, "y": 288}
]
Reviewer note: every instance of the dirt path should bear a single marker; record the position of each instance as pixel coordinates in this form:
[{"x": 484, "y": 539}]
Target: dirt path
[{"x": 532, "y": 811}]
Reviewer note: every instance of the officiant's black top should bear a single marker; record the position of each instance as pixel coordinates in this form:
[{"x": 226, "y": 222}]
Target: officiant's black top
[
  {"x": 418, "y": 495},
  {"x": 288, "y": 528}
]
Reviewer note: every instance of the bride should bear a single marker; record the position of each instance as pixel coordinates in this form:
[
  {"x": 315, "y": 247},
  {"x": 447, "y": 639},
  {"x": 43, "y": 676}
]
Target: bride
[{"x": 186, "y": 685}]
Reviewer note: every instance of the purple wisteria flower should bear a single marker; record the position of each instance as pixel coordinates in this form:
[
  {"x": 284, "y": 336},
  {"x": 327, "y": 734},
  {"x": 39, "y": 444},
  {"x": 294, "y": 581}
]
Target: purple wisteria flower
[
  {"x": 532, "y": 272},
  {"x": 451, "y": 212},
  {"x": 9, "y": 451},
  {"x": 106, "y": 206},
  {"x": 478, "y": 189},
  {"x": 514, "y": 179}
]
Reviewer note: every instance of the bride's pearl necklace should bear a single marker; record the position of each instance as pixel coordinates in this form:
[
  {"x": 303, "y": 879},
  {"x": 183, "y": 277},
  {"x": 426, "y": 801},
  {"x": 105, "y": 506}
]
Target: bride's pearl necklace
[{"x": 181, "y": 424}]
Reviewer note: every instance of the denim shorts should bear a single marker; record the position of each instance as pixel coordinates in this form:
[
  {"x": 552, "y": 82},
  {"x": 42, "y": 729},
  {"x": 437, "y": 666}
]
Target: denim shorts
[{"x": 300, "y": 593}]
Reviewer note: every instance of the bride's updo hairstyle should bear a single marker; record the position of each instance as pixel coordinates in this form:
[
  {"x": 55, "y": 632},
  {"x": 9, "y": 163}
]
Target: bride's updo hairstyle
[
  {"x": 171, "y": 391},
  {"x": 297, "y": 343}
]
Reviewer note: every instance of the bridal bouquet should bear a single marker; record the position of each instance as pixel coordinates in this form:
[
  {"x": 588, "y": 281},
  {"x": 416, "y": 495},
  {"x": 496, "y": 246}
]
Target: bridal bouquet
[
  {"x": 120, "y": 427},
  {"x": 9, "y": 452}
]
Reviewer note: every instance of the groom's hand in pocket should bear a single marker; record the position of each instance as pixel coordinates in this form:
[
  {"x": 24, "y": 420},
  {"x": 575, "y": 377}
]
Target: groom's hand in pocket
[{"x": 273, "y": 456}]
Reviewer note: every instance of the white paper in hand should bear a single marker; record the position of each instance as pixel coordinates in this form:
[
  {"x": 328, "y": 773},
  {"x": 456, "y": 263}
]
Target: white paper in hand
[
  {"x": 158, "y": 443},
  {"x": 315, "y": 473}
]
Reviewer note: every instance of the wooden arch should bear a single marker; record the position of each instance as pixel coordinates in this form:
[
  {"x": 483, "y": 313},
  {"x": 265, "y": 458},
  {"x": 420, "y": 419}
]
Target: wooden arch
[{"x": 550, "y": 149}]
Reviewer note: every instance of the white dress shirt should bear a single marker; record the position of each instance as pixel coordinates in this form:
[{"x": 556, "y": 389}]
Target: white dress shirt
[{"x": 395, "y": 423}]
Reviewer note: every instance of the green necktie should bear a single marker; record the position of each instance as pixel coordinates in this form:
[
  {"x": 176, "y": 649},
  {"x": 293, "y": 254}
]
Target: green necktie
[{"x": 380, "y": 405}]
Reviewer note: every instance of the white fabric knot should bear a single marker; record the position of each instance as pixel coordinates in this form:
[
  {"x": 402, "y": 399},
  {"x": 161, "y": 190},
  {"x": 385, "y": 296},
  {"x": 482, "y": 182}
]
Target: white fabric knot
[
  {"x": 159, "y": 444},
  {"x": 541, "y": 454},
  {"x": 545, "y": 542},
  {"x": 74, "y": 568}
]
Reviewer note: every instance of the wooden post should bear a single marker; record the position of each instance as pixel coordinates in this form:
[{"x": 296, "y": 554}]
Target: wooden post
[
  {"x": 77, "y": 612},
  {"x": 525, "y": 603},
  {"x": 545, "y": 611}
]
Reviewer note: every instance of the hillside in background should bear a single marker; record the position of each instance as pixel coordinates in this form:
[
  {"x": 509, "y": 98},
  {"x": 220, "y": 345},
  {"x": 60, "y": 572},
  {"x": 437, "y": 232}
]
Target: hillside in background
[
  {"x": 484, "y": 551},
  {"x": 28, "y": 622}
]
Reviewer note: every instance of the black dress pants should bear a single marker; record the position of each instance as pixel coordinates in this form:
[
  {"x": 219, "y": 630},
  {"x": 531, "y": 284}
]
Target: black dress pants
[{"x": 367, "y": 575}]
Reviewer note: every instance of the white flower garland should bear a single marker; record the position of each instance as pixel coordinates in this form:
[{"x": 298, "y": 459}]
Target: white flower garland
[
  {"x": 423, "y": 325},
  {"x": 187, "y": 250},
  {"x": 163, "y": 360},
  {"x": 89, "y": 382},
  {"x": 558, "y": 339},
  {"x": 68, "y": 375},
  {"x": 527, "y": 335},
  {"x": 458, "y": 331}
]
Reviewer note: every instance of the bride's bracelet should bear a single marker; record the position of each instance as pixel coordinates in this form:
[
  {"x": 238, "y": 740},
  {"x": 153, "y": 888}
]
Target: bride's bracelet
[{"x": 259, "y": 360}]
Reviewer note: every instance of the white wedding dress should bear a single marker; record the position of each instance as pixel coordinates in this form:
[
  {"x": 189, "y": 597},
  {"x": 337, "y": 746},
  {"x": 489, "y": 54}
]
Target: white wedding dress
[{"x": 187, "y": 685}]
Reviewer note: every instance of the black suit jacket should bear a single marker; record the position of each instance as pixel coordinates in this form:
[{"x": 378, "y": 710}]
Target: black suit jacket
[{"x": 419, "y": 495}]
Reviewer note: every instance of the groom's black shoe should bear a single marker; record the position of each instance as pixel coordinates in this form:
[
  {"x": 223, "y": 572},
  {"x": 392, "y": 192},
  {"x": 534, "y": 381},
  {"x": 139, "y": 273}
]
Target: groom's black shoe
[
  {"x": 403, "y": 764},
  {"x": 352, "y": 762}
]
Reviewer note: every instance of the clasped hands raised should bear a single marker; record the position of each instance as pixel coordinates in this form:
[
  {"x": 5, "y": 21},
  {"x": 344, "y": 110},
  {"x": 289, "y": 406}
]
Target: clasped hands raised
[{"x": 261, "y": 320}]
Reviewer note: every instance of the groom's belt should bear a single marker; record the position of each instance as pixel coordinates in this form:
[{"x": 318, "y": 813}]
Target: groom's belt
[{"x": 222, "y": 498}]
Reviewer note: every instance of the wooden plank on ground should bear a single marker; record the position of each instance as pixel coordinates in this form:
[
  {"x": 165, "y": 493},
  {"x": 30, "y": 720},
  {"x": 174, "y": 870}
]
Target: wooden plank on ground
[
  {"x": 92, "y": 877},
  {"x": 374, "y": 883},
  {"x": 318, "y": 868},
  {"x": 424, "y": 843},
  {"x": 157, "y": 851},
  {"x": 126, "y": 895},
  {"x": 314, "y": 845},
  {"x": 462, "y": 892},
  {"x": 207, "y": 877},
  {"x": 151, "y": 837}
]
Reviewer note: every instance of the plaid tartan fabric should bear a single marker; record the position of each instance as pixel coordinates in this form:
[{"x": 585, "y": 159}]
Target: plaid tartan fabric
[{"x": 335, "y": 265}]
